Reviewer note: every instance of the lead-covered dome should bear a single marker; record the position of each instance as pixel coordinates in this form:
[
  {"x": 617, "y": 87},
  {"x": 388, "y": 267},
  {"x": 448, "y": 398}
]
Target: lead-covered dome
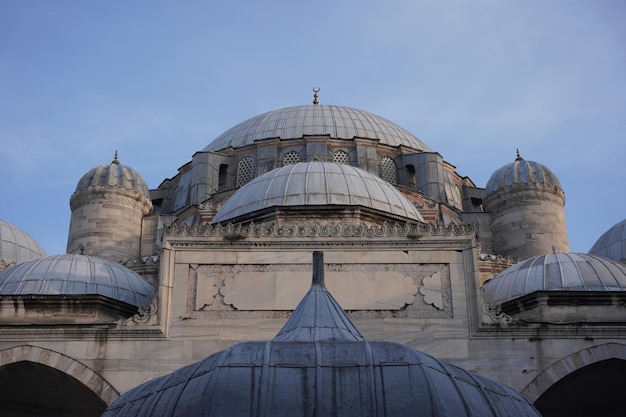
[
  {"x": 335, "y": 121},
  {"x": 521, "y": 171},
  {"x": 114, "y": 174},
  {"x": 556, "y": 272},
  {"x": 16, "y": 245},
  {"x": 317, "y": 184},
  {"x": 320, "y": 365},
  {"x": 75, "y": 275},
  {"x": 612, "y": 243}
]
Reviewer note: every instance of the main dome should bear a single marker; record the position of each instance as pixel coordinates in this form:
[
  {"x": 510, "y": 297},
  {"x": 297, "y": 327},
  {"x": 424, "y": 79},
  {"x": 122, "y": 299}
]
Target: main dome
[
  {"x": 317, "y": 183},
  {"x": 317, "y": 120}
]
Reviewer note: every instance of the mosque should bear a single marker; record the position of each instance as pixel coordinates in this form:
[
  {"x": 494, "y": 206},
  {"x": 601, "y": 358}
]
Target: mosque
[{"x": 436, "y": 292}]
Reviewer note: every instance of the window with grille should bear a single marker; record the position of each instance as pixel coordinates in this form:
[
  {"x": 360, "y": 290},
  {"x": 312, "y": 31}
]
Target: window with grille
[
  {"x": 341, "y": 157},
  {"x": 291, "y": 158},
  {"x": 388, "y": 170},
  {"x": 244, "y": 171}
]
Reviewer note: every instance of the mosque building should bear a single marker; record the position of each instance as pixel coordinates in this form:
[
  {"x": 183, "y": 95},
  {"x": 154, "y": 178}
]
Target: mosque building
[{"x": 198, "y": 293}]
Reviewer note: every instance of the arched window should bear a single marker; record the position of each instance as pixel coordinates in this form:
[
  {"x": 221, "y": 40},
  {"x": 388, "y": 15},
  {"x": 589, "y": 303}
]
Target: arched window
[
  {"x": 341, "y": 157},
  {"x": 388, "y": 170},
  {"x": 410, "y": 174},
  {"x": 223, "y": 177},
  {"x": 291, "y": 158},
  {"x": 244, "y": 171}
]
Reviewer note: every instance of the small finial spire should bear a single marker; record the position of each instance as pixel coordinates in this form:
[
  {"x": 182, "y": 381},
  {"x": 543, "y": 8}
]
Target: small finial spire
[
  {"x": 519, "y": 158},
  {"x": 318, "y": 268},
  {"x": 115, "y": 161},
  {"x": 82, "y": 249},
  {"x": 315, "y": 91}
]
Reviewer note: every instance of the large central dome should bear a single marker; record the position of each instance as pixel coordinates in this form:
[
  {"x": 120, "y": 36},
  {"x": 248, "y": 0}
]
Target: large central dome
[{"x": 336, "y": 121}]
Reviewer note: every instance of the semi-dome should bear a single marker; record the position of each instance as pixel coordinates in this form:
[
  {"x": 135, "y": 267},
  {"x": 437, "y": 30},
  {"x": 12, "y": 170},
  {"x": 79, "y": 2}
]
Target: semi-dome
[
  {"x": 335, "y": 121},
  {"x": 74, "y": 275},
  {"x": 521, "y": 171},
  {"x": 612, "y": 243},
  {"x": 114, "y": 174},
  {"x": 317, "y": 184},
  {"x": 320, "y": 365},
  {"x": 556, "y": 272},
  {"x": 16, "y": 245}
]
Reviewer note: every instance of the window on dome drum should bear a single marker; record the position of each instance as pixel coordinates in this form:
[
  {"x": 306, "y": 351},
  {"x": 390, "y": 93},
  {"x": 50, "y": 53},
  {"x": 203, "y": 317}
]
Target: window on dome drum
[
  {"x": 410, "y": 174},
  {"x": 388, "y": 170},
  {"x": 341, "y": 157},
  {"x": 222, "y": 178},
  {"x": 291, "y": 158},
  {"x": 244, "y": 171}
]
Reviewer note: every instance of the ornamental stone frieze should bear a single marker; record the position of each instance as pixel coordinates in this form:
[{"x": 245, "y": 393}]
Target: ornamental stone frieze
[{"x": 232, "y": 233}]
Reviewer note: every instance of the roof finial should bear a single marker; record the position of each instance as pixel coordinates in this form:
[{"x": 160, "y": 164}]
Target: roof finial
[
  {"x": 318, "y": 268},
  {"x": 519, "y": 158},
  {"x": 315, "y": 91},
  {"x": 115, "y": 161}
]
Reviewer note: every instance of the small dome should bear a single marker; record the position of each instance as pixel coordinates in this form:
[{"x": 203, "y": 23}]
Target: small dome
[
  {"x": 317, "y": 183},
  {"x": 335, "y": 121},
  {"x": 17, "y": 246},
  {"x": 612, "y": 243},
  {"x": 76, "y": 275},
  {"x": 521, "y": 172},
  {"x": 556, "y": 272},
  {"x": 319, "y": 364},
  {"x": 114, "y": 174}
]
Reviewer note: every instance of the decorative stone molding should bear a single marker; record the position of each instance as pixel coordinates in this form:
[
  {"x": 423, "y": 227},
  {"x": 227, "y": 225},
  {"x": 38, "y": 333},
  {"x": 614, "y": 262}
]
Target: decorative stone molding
[
  {"x": 431, "y": 290},
  {"x": 234, "y": 232},
  {"x": 495, "y": 312},
  {"x": 145, "y": 316}
]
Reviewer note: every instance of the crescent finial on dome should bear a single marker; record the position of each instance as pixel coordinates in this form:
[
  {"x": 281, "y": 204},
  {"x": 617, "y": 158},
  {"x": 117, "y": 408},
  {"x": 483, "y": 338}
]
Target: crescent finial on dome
[
  {"x": 315, "y": 91},
  {"x": 115, "y": 160},
  {"x": 519, "y": 158}
]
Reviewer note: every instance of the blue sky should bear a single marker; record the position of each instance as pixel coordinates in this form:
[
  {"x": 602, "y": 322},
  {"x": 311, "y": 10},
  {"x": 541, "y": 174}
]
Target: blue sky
[{"x": 158, "y": 80}]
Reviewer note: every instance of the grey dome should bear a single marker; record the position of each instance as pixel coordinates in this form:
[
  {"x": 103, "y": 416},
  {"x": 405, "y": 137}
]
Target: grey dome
[
  {"x": 611, "y": 244},
  {"x": 76, "y": 275},
  {"x": 556, "y": 272},
  {"x": 16, "y": 245},
  {"x": 317, "y": 183},
  {"x": 114, "y": 174},
  {"x": 320, "y": 365},
  {"x": 521, "y": 172},
  {"x": 336, "y": 121}
]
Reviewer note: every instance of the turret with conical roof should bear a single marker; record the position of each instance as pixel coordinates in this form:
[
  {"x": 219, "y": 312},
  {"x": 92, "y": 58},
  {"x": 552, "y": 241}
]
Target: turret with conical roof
[
  {"x": 108, "y": 207},
  {"x": 527, "y": 205}
]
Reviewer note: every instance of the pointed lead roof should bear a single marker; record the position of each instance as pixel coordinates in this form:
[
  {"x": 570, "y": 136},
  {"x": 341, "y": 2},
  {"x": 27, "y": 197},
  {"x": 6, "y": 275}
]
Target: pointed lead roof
[
  {"x": 317, "y": 366},
  {"x": 318, "y": 317}
]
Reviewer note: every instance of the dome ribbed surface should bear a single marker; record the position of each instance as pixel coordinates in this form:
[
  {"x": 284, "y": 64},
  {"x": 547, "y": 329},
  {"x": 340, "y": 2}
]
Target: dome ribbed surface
[
  {"x": 76, "y": 275},
  {"x": 612, "y": 243},
  {"x": 317, "y": 183},
  {"x": 319, "y": 365},
  {"x": 338, "y": 122},
  {"x": 16, "y": 245},
  {"x": 521, "y": 172},
  {"x": 556, "y": 272},
  {"x": 114, "y": 174}
]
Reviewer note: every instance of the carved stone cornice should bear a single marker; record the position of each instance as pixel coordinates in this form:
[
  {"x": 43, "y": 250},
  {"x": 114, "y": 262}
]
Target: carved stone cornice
[
  {"x": 111, "y": 193},
  {"x": 237, "y": 232}
]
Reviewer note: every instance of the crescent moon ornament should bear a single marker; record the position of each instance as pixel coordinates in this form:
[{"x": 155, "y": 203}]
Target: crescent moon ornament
[{"x": 315, "y": 91}]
